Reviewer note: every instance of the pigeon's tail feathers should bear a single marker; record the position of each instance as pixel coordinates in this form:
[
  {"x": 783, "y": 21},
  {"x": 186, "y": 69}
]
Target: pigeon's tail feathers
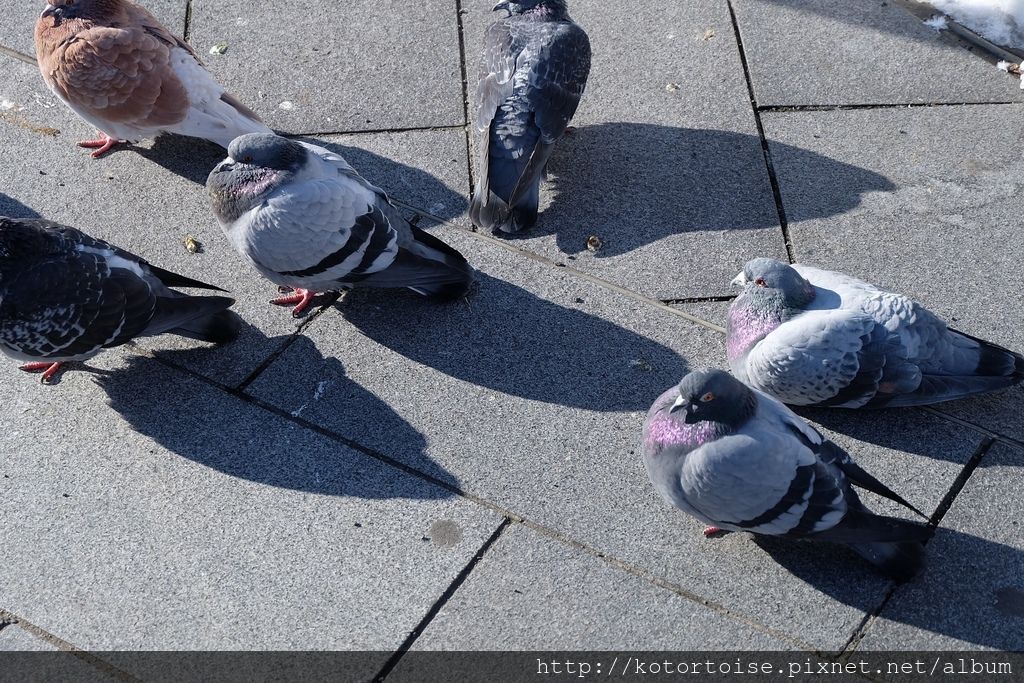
[
  {"x": 205, "y": 318},
  {"x": 460, "y": 273},
  {"x": 899, "y": 561},
  {"x": 995, "y": 361},
  {"x": 171, "y": 279}
]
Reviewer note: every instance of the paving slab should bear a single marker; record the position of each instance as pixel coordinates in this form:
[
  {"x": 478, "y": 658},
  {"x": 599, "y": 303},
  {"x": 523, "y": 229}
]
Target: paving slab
[
  {"x": 981, "y": 539},
  {"x": 13, "y": 638},
  {"x": 146, "y": 199},
  {"x": 947, "y": 231},
  {"x": 531, "y": 592},
  {"x": 532, "y": 396},
  {"x": 363, "y": 65},
  {"x": 666, "y": 166},
  {"x": 821, "y": 52},
  {"x": 180, "y": 517},
  {"x": 17, "y": 30}
]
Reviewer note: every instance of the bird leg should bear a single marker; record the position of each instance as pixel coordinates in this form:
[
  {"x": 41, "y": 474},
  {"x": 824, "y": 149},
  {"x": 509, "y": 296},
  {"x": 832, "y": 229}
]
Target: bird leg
[
  {"x": 48, "y": 370},
  {"x": 301, "y": 298},
  {"x": 714, "y": 532},
  {"x": 570, "y": 130},
  {"x": 102, "y": 144}
]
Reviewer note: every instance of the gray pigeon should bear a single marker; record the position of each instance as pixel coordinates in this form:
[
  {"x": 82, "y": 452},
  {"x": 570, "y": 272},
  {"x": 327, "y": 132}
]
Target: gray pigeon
[
  {"x": 739, "y": 460},
  {"x": 816, "y": 337},
  {"x": 534, "y": 68},
  {"x": 308, "y": 222},
  {"x": 65, "y": 296}
]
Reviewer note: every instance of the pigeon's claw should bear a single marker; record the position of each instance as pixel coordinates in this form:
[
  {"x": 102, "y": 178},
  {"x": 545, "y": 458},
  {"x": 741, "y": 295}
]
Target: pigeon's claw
[
  {"x": 102, "y": 144},
  {"x": 301, "y": 298},
  {"x": 714, "y": 532},
  {"x": 48, "y": 370}
]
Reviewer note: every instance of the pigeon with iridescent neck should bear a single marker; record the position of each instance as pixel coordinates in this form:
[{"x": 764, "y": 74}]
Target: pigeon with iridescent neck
[
  {"x": 739, "y": 460},
  {"x": 816, "y": 337},
  {"x": 533, "y": 70}
]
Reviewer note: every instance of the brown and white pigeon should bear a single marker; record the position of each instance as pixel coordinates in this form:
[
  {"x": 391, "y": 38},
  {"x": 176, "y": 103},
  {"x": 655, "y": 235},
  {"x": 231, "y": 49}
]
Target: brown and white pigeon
[
  {"x": 533, "y": 71},
  {"x": 739, "y": 460},
  {"x": 65, "y": 296},
  {"x": 118, "y": 68}
]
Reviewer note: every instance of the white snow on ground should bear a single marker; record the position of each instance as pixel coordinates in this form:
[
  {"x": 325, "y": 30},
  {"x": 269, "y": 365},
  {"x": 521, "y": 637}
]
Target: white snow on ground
[
  {"x": 1001, "y": 21},
  {"x": 938, "y": 22}
]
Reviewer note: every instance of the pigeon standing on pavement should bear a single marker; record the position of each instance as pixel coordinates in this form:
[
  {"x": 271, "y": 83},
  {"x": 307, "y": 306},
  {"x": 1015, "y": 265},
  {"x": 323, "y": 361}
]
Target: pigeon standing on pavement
[
  {"x": 118, "y": 68},
  {"x": 65, "y": 296},
  {"x": 739, "y": 460},
  {"x": 533, "y": 71},
  {"x": 817, "y": 337},
  {"x": 308, "y": 222}
]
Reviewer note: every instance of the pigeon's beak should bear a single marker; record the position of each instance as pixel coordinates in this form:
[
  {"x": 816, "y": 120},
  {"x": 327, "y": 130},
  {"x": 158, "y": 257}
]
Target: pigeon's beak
[
  {"x": 740, "y": 280},
  {"x": 502, "y": 6},
  {"x": 679, "y": 404},
  {"x": 50, "y": 11}
]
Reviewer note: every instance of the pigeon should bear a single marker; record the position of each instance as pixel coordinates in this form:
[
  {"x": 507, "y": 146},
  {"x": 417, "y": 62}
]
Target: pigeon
[
  {"x": 532, "y": 74},
  {"x": 120, "y": 70},
  {"x": 309, "y": 223},
  {"x": 66, "y": 296},
  {"x": 816, "y": 337},
  {"x": 740, "y": 460}
]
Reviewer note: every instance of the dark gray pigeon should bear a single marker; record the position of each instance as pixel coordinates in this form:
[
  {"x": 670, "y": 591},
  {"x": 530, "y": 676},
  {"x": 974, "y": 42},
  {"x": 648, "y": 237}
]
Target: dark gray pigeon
[
  {"x": 739, "y": 460},
  {"x": 308, "y": 222},
  {"x": 65, "y": 296},
  {"x": 816, "y": 337},
  {"x": 534, "y": 68}
]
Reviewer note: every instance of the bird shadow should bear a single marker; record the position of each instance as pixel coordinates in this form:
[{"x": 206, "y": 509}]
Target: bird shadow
[
  {"x": 970, "y": 588},
  {"x": 234, "y": 434},
  {"x": 507, "y": 339},
  {"x": 12, "y": 208},
  {"x": 633, "y": 184}
]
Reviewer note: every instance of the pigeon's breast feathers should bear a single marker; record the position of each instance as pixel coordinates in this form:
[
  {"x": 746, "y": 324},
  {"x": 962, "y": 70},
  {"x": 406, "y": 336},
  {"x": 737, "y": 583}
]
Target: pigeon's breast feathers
[{"x": 246, "y": 179}]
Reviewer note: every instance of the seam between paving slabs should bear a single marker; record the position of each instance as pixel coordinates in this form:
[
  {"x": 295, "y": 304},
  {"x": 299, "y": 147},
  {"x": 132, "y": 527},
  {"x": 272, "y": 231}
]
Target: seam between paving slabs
[
  {"x": 439, "y": 604},
  {"x": 783, "y": 108},
  {"x": 459, "y": 12},
  {"x": 766, "y": 151},
  {"x": 11, "y": 620},
  {"x": 940, "y": 513},
  {"x": 187, "y": 30}
]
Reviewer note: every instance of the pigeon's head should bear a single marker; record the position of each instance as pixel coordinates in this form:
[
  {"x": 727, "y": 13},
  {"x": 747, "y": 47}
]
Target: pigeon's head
[
  {"x": 552, "y": 7},
  {"x": 713, "y": 396},
  {"x": 771, "y": 279},
  {"x": 63, "y": 10},
  {"x": 257, "y": 164}
]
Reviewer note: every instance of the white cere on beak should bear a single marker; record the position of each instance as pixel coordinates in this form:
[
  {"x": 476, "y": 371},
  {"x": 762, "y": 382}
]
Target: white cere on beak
[
  {"x": 678, "y": 404},
  {"x": 740, "y": 280}
]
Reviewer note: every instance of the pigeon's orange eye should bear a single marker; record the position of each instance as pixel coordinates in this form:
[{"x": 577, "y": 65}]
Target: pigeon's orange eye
[
  {"x": 707, "y": 397},
  {"x": 247, "y": 158},
  {"x": 760, "y": 282}
]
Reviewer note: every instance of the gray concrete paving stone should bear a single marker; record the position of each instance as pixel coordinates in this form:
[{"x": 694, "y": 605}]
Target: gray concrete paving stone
[
  {"x": 946, "y": 230},
  {"x": 822, "y": 52},
  {"x": 666, "y": 165},
  {"x": 363, "y": 65},
  {"x": 981, "y": 541},
  {"x": 515, "y": 401},
  {"x": 146, "y": 199},
  {"x": 13, "y": 638},
  {"x": 531, "y": 592},
  {"x": 146, "y": 500}
]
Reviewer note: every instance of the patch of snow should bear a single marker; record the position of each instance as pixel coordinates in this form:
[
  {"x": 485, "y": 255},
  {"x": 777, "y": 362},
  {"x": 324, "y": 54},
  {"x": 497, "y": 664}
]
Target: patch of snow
[
  {"x": 1003, "y": 66},
  {"x": 7, "y": 105},
  {"x": 1001, "y": 21},
  {"x": 938, "y": 22},
  {"x": 286, "y": 105}
]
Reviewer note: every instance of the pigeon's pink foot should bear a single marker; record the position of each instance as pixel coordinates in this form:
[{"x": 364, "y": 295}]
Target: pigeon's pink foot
[
  {"x": 570, "y": 130},
  {"x": 714, "y": 531},
  {"x": 301, "y": 298},
  {"x": 102, "y": 144},
  {"x": 48, "y": 370}
]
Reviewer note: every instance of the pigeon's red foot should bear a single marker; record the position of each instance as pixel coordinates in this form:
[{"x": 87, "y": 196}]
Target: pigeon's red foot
[
  {"x": 714, "y": 532},
  {"x": 48, "y": 370},
  {"x": 570, "y": 130},
  {"x": 102, "y": 144},
  {"x": 301, "y": 298}
]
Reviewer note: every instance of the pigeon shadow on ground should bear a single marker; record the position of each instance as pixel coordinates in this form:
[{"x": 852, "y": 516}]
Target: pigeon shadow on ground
[
  {"x": 935, "y": 600},
  {"x": 190, "y": 158},
  {"x": 220, "y": 431},
  {"x": 633, "y": 184},
  {"x": 509, "y": 340},
  {"x": 12, "y": 208}
]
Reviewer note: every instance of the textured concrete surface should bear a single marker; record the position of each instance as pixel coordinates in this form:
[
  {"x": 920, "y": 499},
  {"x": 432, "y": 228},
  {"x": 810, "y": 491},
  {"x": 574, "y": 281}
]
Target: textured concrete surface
[
  {"x": 822, "y": 52},
  {"x": 13, "y": 638},
  {"x": 337, "y": 482}
]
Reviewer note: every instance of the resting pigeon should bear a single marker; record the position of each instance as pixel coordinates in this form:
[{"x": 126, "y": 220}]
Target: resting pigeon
[
  {"x": 741, "y": 461},
  {"x": 308, "y": 222},
  {"x": 816, "y": 337},
  {"x": 118, "y": 68},
  {"x": 65, "y": 296},
  {"x": 534, "y": 68}
]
